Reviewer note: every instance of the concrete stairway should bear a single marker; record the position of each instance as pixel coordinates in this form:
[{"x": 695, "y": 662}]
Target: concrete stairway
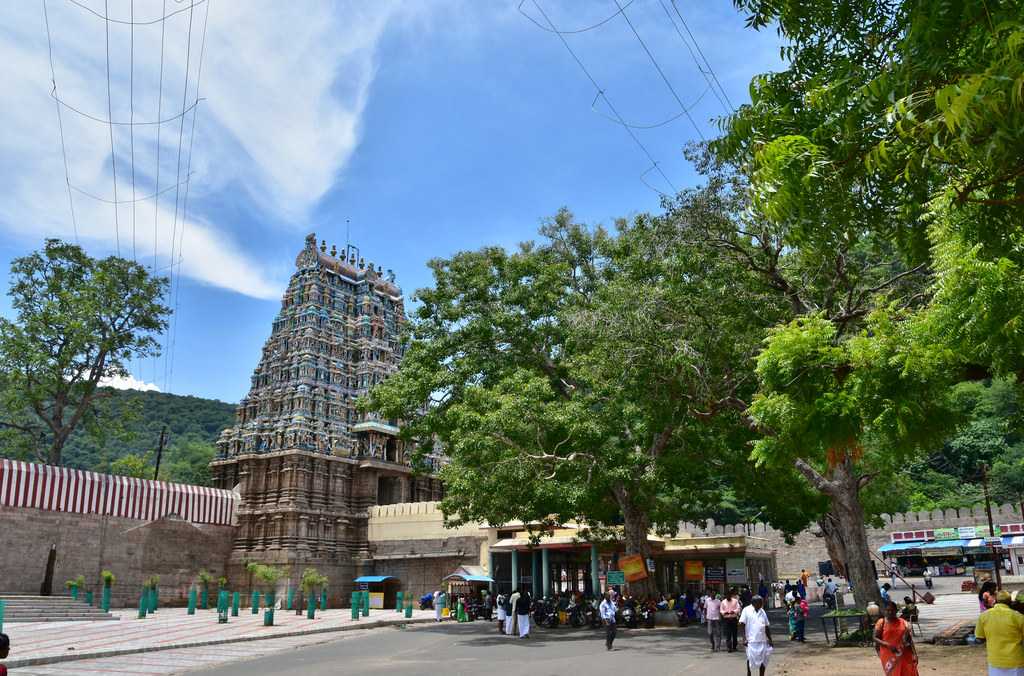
[{"x": 25, "y": 608}]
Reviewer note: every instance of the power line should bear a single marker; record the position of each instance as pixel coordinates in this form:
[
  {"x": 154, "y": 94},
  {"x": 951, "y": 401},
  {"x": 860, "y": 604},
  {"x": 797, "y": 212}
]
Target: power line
[
  {"x": 144, "y": 198},
  {"x": 118, "y": 123},
  {"x": 156, "y": 196},
  {"x": 184, "y": 206},
  {"x": 131, "y": 108},
  {"x": 661, "y": 72},
  {"x": 707, "y": 64},
  {"x": 60, "y": 123},
  {"x": 600, "y": 92},
  {"x": 113, "y": 154},
  {"x": 654, "y": 125},
  {"x": 105, "y": 16},
  {"x": 572, "y": 32}
]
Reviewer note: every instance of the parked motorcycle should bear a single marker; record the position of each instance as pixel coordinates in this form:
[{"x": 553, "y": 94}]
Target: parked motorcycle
[
  {"x": 629, "y": 617},
  {"x": 830, "y": 600},
  {"x": 478, "y": 610},
  {"x": 427, "y": 602},
  {"x": 645, "y": 616},
  {"x": 545, "y": 614}
]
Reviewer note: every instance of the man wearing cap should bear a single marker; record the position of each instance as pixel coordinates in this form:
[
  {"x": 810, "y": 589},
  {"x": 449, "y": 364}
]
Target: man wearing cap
[{"x": 1003, "y": 630}]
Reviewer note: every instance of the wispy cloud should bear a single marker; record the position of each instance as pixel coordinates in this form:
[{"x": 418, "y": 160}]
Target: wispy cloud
[
  {"x": 284, "y": 87},
  {"x": 129, "y": 382}
]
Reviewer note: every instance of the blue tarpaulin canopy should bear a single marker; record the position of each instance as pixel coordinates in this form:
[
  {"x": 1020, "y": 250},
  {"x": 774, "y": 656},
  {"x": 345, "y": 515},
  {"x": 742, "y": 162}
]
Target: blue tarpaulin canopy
[
  {"x": 374, "y": 578},
  {"x": 900, "y": 547},
  {"x": 944, "y": 544},
  {"x": 470, "y": 574}
]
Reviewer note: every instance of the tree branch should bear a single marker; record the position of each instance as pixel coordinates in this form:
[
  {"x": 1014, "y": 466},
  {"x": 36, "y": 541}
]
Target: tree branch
[{"x": 815, "y": 478}]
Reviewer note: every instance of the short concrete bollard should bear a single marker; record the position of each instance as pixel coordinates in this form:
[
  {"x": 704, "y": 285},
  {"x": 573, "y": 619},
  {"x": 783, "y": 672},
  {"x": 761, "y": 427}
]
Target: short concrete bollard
[
  {"x": 192, "y": 601},
  {"x": 236, "y": 599},
  {"x": 255, "y": 603}
]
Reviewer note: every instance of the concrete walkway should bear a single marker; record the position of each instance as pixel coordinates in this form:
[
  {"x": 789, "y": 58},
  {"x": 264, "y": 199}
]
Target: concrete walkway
[{"x": 48, "y": 642}]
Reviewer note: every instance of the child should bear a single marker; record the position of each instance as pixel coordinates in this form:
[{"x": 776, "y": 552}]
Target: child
[{"x": 5, "y": 649}]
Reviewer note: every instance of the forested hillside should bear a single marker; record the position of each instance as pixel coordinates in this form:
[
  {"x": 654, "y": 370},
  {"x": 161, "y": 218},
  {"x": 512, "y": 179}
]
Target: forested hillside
[{"x": 127, "y": 434}]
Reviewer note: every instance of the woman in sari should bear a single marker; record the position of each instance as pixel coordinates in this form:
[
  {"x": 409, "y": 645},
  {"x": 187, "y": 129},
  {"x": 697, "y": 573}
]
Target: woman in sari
[{"x": 894, "y": 643}]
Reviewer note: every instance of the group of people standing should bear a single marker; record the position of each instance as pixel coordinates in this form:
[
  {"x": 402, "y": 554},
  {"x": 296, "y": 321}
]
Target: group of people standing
[{"x": 514, "y": 613}]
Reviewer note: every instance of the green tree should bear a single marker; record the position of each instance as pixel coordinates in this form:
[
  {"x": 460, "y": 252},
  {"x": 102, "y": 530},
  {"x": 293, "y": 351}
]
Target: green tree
[
  {"x": 78, "y": 321},
  {"x": 188, "y": 462},
  {"x": 133, "y": 465},
  {"x": 1008, "y": 476}
]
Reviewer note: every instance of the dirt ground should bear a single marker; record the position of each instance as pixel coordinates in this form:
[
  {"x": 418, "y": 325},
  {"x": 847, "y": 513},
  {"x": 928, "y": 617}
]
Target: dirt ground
[{"x": 938, "y": 660}]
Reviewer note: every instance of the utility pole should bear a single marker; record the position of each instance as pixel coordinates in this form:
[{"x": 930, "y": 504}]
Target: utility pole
[
  {"x": 160, "y": 452},
  {"x": 997, "y": 560}
]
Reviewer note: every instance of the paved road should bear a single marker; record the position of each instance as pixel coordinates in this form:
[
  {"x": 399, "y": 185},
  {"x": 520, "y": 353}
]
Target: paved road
[{"x": 476, "y": 648}]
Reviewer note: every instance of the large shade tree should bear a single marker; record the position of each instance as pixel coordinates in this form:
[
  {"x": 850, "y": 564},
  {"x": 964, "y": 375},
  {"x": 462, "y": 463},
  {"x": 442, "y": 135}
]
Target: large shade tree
[
  {"x": 77, "y": 322},
  {"x": 592, "y": 376},
  {"x": 895, "y": 131}
]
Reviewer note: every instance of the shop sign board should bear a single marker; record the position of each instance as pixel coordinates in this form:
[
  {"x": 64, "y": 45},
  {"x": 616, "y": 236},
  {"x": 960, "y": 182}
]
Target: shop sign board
[
  {"x": 714, "y": 574},
  {"x": 615, "y": 577},
  {"x": 946, "y": 534},
  {"x": 634, "y": 567},
  {"x": 735, "y": 571},
  {"x": 377, "y": 600},
  {"x": 966, "y": 532},
  {"x": 994, "y": 540},
  {"x": 693, "y": 570}
]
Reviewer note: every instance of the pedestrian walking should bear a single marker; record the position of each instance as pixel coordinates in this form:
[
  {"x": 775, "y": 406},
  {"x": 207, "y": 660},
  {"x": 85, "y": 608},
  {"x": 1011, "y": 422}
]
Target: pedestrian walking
[
  {"x": 894, "y": 643},
  {"x": 437, "y": 605},
  {"x": 1003, "y": 629},
  {"x": 510, "y": 619},
  {"x": 502, "y": 613},
  {"x": 713, "y": 611},
  {"x": 801, "y": 611},
  {"x": 730, "y": 610},
  {"x": 608, "y": 610},
  {"x": 523, "y": 614},
  {"x": 757, "y": 636}
]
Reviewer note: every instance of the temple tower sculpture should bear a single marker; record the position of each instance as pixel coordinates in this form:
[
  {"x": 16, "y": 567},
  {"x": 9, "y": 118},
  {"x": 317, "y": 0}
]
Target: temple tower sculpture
[{"x": 306, "y": 464}]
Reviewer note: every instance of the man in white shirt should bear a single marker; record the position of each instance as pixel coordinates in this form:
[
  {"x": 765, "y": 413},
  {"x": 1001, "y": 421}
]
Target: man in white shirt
[
  {"x": 608, "y": 610},
  {"x": 756, "y": 635}
]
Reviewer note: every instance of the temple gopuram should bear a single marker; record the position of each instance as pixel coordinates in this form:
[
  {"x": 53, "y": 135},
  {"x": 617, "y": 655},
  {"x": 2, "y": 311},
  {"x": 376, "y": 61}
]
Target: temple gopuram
[{"x": 305, "y": 462}]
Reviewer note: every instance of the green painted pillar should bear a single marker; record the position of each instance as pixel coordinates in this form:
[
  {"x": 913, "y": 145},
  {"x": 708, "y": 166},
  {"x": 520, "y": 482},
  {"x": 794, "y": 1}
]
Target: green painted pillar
[
  {"x": 594, "y": 571},
  {"x": 204, "y": 599},
  {"x": 156, "y": 598},
  {"x": 254, "y": 602},
  {"x": 236, "y": 599},
  {"x": 143, "y": 603},
  {"x": 535, "y": 562},
  {"x": 490, "y": 571},
  {"x": 268, "y": 617},
  {"x": 366, "y": 603},
  {"x": 515, "y": 570},
  {"x": 354, "y": 605},
  {"x": 399, "y": 604},
  {"x": 88, "y": 598},
  {"x": 408, "y": 608},
  {"x": 311, "y": 608},
  {"x": 291, "y": 597},
  {"x": 3, "y": 606},
  {"x": 323, "y": 599},
  {"x": 105, "y": 601},
  {"x": 74, "y": 591},
  {"x": 192, "y": 601},
  {"x": 268, "y": 599},
  {"x": 545, "y": 564}
]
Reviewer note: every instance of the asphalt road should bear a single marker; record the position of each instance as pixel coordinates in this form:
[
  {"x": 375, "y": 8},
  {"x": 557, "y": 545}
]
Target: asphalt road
[{"x": 477, "y": 648}]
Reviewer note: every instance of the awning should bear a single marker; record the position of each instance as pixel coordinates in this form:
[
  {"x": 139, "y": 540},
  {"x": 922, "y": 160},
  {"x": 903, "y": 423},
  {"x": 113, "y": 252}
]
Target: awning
[
  {"x": 900, "y": 547},
  {"x": 944, "y": 544},
  {"x": 470, "y": 574},
  {"x": 1013, "y": 541},
  {"x": 374, "y": 578}
]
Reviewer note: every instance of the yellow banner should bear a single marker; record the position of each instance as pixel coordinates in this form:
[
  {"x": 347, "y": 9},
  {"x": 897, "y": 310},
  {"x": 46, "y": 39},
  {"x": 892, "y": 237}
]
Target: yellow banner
[{"x": 633, "y": 567}]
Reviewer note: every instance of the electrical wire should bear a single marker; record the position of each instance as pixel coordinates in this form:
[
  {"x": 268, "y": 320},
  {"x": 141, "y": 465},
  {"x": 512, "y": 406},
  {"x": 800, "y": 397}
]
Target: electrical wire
[
  {"x": 131, "y": 113},
  {"x": 572, "y": 32},
  {"x": 726, "y": 103},
  {"x": 116, "y": 123},
  {"x": 113, "y": 154},
  {"x": 60, "y": 123},
  {"x": 655, "y": 125},
  {"x": 600, "y": 92},
  {"x": 661, "y": 72},
  {"x": 156, "y": 196},
  {"x": 144, "y": 198},
  {"x": 105, "y": 16},
  {"x": 177, "y": 192},
  {"x": 184, "y": 206}
]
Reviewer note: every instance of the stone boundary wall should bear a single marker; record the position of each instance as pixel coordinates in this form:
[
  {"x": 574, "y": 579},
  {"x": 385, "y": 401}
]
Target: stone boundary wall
[
  {"x": 87, "y": 543},
  {"x": 809, "y": 548}
]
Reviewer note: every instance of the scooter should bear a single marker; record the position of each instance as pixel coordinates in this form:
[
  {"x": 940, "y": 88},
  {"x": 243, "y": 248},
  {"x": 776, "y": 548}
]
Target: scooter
[
  {"x": 646, "y": 617},
  {"x": 830, "y": 601},
  {"x": 629, "y": 617},
  {"x": 544, "y": 614},
  {"x": 427, "y": 602}
]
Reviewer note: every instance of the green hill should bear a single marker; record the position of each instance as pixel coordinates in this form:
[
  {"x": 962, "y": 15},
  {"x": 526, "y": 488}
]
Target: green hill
[{"x": 128, "y": 432}]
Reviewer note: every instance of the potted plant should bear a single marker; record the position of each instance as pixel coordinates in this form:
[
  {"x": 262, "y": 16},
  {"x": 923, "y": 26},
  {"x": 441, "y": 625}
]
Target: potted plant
[
  {"x": 311, "y": 581},
  {"x": 268, "y": 575},
  {"x": 204, "y": 585},
  {"x": 75, "y": 585},
  {"x": 108, "y": 583}
]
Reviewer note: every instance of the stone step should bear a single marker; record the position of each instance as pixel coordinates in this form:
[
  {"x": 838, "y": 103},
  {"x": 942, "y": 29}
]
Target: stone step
[
  {"x": 47, "y": 618},
  {"x": 30, "y": 608}
]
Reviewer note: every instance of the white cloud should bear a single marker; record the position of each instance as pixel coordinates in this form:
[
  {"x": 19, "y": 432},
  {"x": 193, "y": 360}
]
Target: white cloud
[
  {"x": 285, "y": 86},
  {"x": 128, "y": 382}
]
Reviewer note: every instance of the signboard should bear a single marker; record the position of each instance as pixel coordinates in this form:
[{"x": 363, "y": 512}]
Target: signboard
[
  {"x": 735, "y": 571},
  {"x": 994, "y": 541},
  {"x": 714, "y": 574},
  {"x": 693, "y": 570},
  {"x": 615, "y": 577},
  {"x": 634, "y": 567},
  {"x": 946, "y": 534},
  {"x": 650, "y": 566},
  {"x": 966, "y": 532},
  {"x": 377, "y": 600}
]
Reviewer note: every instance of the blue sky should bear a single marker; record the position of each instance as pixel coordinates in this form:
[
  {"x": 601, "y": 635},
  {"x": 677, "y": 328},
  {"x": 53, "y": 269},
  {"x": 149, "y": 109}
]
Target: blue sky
[{"x": 432, "y": 126}]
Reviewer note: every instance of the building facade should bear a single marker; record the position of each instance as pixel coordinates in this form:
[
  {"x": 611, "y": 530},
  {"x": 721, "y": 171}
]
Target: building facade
[{"x": 306, "y": 464}]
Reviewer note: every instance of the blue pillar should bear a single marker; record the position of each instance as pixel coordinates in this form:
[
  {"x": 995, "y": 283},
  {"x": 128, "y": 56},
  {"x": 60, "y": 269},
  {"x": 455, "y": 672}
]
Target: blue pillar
[
  {"x": 546, "y": 567},
  {"x": 515, "y": 570},
  {"x": 594, "y": 572},
  {"x": 535, "y": 570}
]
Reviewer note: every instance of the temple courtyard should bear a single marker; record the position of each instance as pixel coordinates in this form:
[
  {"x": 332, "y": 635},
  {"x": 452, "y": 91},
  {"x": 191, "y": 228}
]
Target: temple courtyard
[{"x": 173, "y": 642}]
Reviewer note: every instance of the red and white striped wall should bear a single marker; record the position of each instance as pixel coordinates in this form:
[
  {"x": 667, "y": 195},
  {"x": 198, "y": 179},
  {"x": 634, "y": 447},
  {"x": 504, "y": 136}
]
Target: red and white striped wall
[{"x": 59, "y": 489}]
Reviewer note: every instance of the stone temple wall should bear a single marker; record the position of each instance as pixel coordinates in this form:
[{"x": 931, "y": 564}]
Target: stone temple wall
[
  {"x": 87, "y": 543},
  {"x": 808, "y": 548}
]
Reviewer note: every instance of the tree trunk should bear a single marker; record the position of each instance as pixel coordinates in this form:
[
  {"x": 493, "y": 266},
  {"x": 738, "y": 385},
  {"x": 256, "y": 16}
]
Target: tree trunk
[
  {"x": 833, "y": 543},
  {"x": 843, "y": 489},
  {"x": 53, "y": 456},
  {"x": 635, "y": 527}
]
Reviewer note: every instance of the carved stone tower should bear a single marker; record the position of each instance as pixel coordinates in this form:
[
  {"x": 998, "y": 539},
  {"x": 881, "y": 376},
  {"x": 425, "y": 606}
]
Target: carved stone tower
[{"x": 306, "y": 463}]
